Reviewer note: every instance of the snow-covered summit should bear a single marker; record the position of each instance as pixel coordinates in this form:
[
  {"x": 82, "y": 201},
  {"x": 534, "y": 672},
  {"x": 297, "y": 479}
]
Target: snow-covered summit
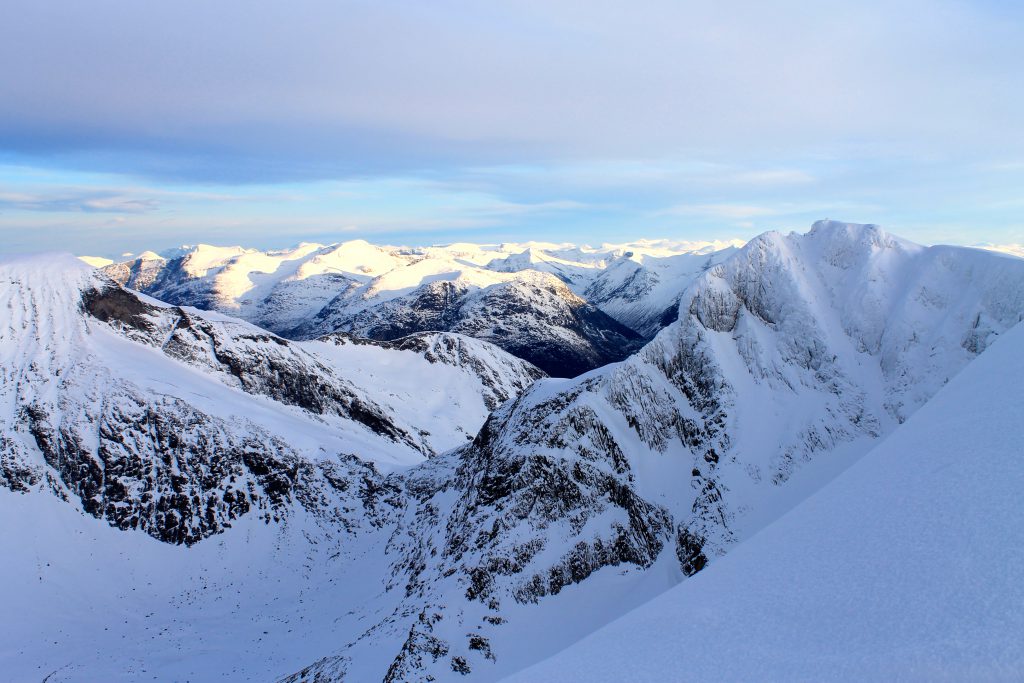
[
  {"x": 790, "y": 359},
  {"x": 776, "y": 367},
  {"x": 908, "y": 566},
  {"x": 382, "y": 291},
  {"x": 102, "y": 384}
]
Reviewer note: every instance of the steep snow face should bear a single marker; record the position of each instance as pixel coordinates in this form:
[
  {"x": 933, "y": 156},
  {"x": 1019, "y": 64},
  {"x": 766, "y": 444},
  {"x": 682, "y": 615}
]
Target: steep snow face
[
  {"x": 643, "y": 292},
  {"x": 908, "y": 566},
  {"x": 789, "y": 361},
  {"x": 358, "y": 287},
  {"x": 177, "y": 422}
]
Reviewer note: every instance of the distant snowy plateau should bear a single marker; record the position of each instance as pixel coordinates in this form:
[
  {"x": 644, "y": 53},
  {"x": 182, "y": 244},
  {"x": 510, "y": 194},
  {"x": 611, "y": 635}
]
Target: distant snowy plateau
[{"x": 800, "y": 458}]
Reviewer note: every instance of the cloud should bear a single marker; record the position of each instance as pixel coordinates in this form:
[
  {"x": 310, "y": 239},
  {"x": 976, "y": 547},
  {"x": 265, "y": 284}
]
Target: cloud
[
  {"x": 1012, "y": 249},
  {"x": 731, "y": 211},
  {"x": 649, "y": 174},
  {"x": 498, "y": 207},
  {"x": 772, "y": 177},
  {"x": 744, "y": 212},
  {"x": 259, "y": 91},
  {"x": 88, "y": 202}
]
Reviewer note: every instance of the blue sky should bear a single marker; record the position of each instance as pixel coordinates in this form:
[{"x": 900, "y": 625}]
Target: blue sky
[{"x": 126, "y": 125}]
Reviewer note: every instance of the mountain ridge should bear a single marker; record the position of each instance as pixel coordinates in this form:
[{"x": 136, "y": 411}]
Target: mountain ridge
[
  {"x": 913, "y": 535},
  {"x": 574, "y": 502},
  {"x": 778, "y": 375},
  {"x": 486, "y": 291}
]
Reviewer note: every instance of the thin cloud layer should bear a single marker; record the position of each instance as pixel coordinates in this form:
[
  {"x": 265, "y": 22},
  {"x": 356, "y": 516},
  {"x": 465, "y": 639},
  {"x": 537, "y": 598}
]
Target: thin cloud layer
[
  {"x": 316, "y": 88},
  {"x": 128, "y": 125}
]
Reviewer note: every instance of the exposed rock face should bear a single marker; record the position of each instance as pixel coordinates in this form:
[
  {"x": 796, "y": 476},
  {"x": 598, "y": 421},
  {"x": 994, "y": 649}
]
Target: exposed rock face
[
  {"x": 258, "y": 362},
  {"x": 155, "y": 461},
  {"x": 105, "y": 385},
  {"x": 789, "y": 354},
  {"x": 144, "y": 273},
  {"x": 792, "y": 357},
  {"x": 535, "y": 317},
  {"x": 531, "y": 313},
  {"x": 180, "y": 476}
]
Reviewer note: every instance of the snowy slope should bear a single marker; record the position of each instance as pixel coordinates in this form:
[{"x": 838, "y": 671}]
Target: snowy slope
[
  {"x": 532, "y": 315},
  {"x": 789, "y": 361},
  {"x": 1012, "y": 249},
  {"x": 96, "y": 261},
  {"x": 85, "y": 602},
  {"x": 444, "y": 376},
  {"x": 386, "y": 292},
  {"x": 574, "y": 503},
  {"x": 909, "y": 566},
  {"x": 643, "y": 291},
  {"x": 279, "y": 287},
  {"x": 178, "y": 422},
  {"x": 176, "y": 486}
]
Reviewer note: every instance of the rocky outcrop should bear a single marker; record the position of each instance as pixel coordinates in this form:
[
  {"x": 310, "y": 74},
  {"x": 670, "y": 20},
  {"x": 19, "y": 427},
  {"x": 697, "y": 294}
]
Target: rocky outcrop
[
  {"x": 535, "y": 317},
  {"x": 113, "y": 410},
  {"x": 791, "y": 357},
  {"x": 675, "y": 451},
  {"x": 167, "y": 469}
]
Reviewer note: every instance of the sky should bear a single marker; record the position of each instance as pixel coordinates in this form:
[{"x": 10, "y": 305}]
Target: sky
[{"x": 127, "y": 126}]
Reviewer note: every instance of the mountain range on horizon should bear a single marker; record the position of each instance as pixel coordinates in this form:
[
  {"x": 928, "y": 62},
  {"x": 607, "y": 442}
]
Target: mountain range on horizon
[{"x": 355, "y": 462}]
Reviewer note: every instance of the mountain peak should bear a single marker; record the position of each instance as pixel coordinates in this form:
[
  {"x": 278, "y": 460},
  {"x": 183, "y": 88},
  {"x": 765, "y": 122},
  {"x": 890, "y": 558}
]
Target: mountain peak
[
  {"x": 854, "y": 233},
  {"x": 47, "y": 265}
]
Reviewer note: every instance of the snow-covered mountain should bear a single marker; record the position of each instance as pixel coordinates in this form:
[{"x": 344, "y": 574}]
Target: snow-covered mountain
[
  {"x": 177, "y": 422},
  {"x": 643, "y": 291},
  {"x": 532, "y": 315},
  {"x": 576, "y": 502},
  {"x": 529, "y": 299},
  {"x": 908, "y": 566},
  {"x": 789, "y": 361}
]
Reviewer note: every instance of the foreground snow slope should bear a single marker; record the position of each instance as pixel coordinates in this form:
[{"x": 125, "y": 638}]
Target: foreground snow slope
[
  {"x": 84, "y": 602},
  {"x": 908, "y": 566}
]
